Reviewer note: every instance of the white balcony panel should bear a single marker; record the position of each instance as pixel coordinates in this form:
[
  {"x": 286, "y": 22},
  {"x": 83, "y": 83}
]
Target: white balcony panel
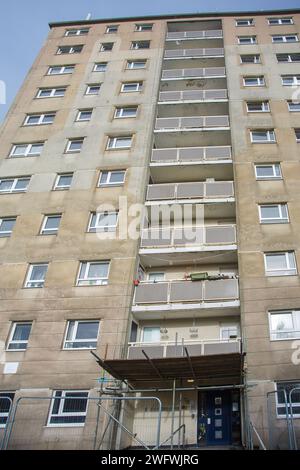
[
  {"x": 211, "y": 33},
  {"x": 195, "y": 52},
  {"x": 193, "y": 95},
  {"x": 193, "y": 190},
  {"x": 193, "y": 72},
  {"x": 191, "y": 122}
]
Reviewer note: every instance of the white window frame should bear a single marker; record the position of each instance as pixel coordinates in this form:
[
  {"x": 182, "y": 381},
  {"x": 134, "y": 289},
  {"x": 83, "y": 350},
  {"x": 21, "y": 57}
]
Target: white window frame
[
  {"x": 282, "y": 405},
  {"x": 295, "y": 334},
  {"x": 102, "y": 228},
  {"x": 155, "y": 273},
  {"x": 80, "y": 112},
  {"x": 78, "y": 32},
  {"x": 289, "y": 58},
  {"x": 115, "y": 28},
  {"x": 265, "y": 107},
  {"x": 36, "y": 281},
  {"x": 138, "y": 87},
  {"x": 61, "y": 406},
  {"x": 109, "y": 173},
  {"x": 113, "y": 141},
  {"x": 136, "y": 45},
  {"x": 229, "y": 326},
  {"x": 69, "y": 145},
  {"x": 119, "y": 112},
  {"x": 89, "y": 87},
  {"x": 280, "y": 21},
  {"x": 92, "y": 281},
  {"x": 28, "y": 152},
  {"x": 140, "y": 27},
  {"x": 131, "y": 64},
  {"x": 270, "y": 133},
  {"x": 296, "y": 80},
  {"x": 6, "y": 414},
  {"x": 62, "y": 71},
  {"x": 74, "y": 340},
  {"x": 260, "y": 81},
  {"x": 11, "y": 341},
  {"x": 48, "y": 231},
  {"x": 246, "y": 21},
  {"x": 104, "y": 45},
  {"x": 62, "y": 188},
  {"x": 40, "y": 121},
  {"x": 6, "y": 233},
  {"x": 71, "y": 49},
  {"x": 274, "y": 166},
  {"x": 53, "y": 92},
  {"x": 252, "y": 40},
  {"x": 100, "y": 63},
  {"x": 153, "y": 327},
  {"x": 256, "y": 58},
  {"x": 288, "y": 271},
  {"x": 274, "y": 220},
  {"x": 291, "y": 103},
  {"x": 283, "y": 38},
  {"x": 297, "y": 138},
  {"x": 14, "y": 184}
]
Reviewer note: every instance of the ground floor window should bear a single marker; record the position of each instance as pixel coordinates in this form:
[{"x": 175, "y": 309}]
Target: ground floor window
[
  {"x": 68, "y": 408},
  {"x": 6, "y": 399},
  {"x": 295, "y": 398}
]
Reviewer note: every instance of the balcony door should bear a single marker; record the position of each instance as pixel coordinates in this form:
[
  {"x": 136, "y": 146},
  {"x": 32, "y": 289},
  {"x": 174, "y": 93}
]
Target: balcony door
[{"x": 151, "y": 334}]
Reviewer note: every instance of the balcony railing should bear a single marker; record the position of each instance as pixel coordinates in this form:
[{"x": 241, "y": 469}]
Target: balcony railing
[
  {"x": 191, "y": 154},
  {"x": 210, "y": 33},
  {"x": 169, "y": 292},
  {"x": 188, "y": 236},
  {"x": 193, "y": 95},
  {"x": 165, "y": 349},
  {"x": 191, "y": 122},
  {"x": 214, "y": 189},
  {"x": 195, "y": 52},
  {"x": 194, "y": 73}
]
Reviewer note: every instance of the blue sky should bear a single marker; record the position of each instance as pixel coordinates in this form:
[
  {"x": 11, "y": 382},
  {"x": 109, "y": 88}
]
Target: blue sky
[{"x": 25, "y": 23}]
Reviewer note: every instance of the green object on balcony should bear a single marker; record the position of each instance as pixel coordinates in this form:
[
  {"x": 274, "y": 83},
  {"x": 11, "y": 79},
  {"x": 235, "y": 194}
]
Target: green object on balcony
[{"x": 199, "y": 276}]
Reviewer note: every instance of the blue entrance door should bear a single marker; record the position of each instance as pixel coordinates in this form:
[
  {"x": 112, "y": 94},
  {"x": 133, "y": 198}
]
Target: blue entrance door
[{"x": 215, "y": 422}]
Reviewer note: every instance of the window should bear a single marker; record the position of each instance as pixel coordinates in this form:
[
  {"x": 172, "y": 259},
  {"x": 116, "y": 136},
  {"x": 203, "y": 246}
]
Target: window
[
  {"x": 6, "y": 226},
  {"x": 111, "y": 178},
  {"x": 74, "y": 145},
  {"x": 290, "y": 80},
  {"x": 288, "y": 57},
  {"x": 284, "y": 324},
  {"x": 258, "y": 106},
  {"x": 128, "y": 112},
  {"x": 70, "y": 49},
  {"x": 136, "y": 64},
  {"x": 112, "y": 29},
  {"x": 285, "y": 38},
  {"x": 39, "y": 119},
  {"x": 93, "y": 273},
  {"x": 131, "y": 87},
  {"x": 297, "y": 134},
  {"x": 103, "y": 222},
  {"x": 276, "y": 21},
  {"x": 156, "y": 277},
  {"x": 61, "y": 69},
  {"x": 244, "y": 22},
  {"x": 51, "y": 224},
  {"x": 93, "y": 89},
  {"x": 151, "y": 334},
  {"x": 77, "y": 32},
  {"x": 68, "y": 408},
  {"x": 119, "y": 142},
  {"x": 81, "y": 334},
  {"x": 84, "y": 115},
  {"x": 268, "y": 171},
  {"x": 27, "y": 150},
  {"x": 294, "y": 105},
  {"x": 229, "y": 332},
  {"x": 6, "y": 399},
  {"x": 18, "y": 338},
  {"x": 36, "y": 275},
  {"x": 254, "y": 81},
  {"x": 106, "y": 46},
  {"x": 262, "y": 136},
  {"x": 250, "y": 59},
  {"x": 283, "y": 401},
  {"x": 280, "y": 264},
  {"x": 144, "y": 27},
  {"x": 140, "y": 44},
  {"x": 273, "y": 213},
  {"x": 14, "y": 185},
  {"x": 247, "y": 39},
  {"x": 100, "y": 67},
  {"x": 51, "y": 92},
  {"x": 63, "y": 181}
]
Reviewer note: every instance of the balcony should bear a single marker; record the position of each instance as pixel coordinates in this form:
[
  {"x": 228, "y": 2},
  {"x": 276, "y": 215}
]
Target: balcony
[
  {"x": 192, "y": 154},
  {"x": 211, "y": 33},
  {"x": 191, "y": 123},
  {"x": 209, "y": 72},
  {"x": 187, "y": 96},
  {"x": 168, "y": 349},
  {"x": 196, "y": 190},
  {"x": 194, "y": 52},
  {"x": 173, "y": 299}
]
